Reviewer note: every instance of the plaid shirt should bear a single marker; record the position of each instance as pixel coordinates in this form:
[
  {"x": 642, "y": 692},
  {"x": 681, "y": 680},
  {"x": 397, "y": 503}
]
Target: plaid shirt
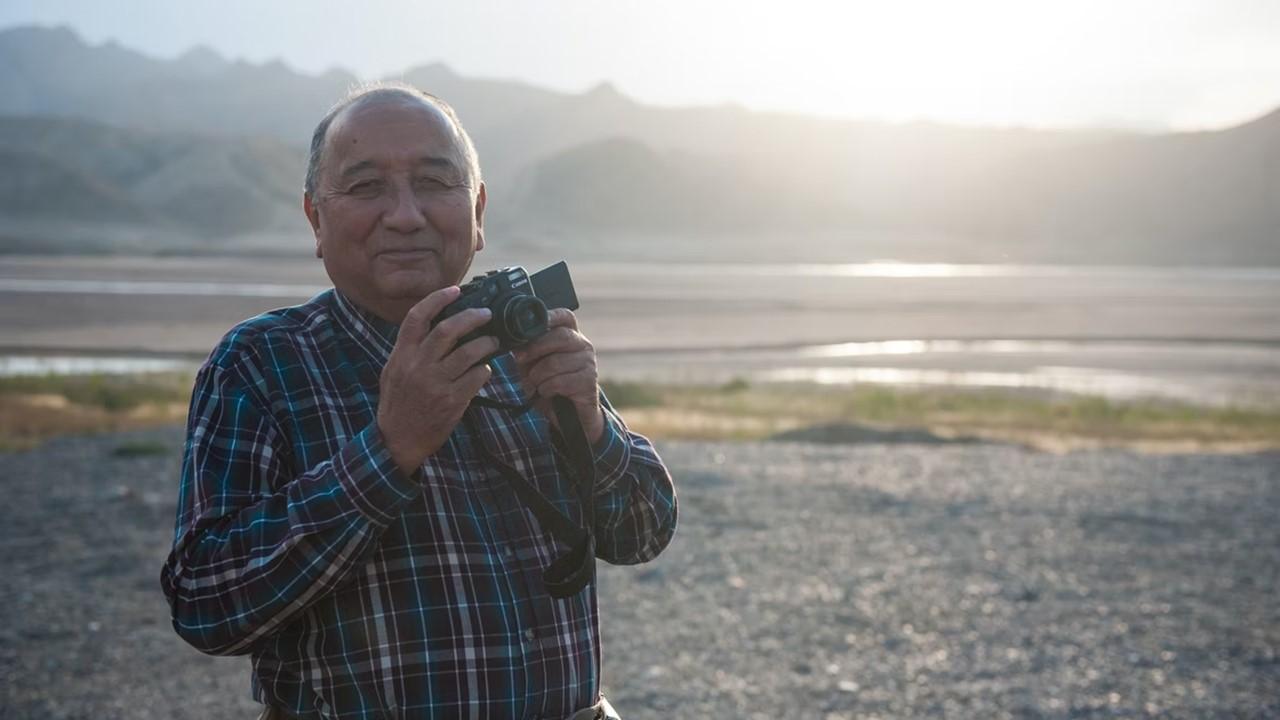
[{"x": 362, "y": 592}]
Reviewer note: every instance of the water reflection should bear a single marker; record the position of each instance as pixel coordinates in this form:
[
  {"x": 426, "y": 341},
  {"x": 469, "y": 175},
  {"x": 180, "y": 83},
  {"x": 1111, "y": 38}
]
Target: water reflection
[
  {"x": 895, "y": 269},
  {"x": 154, "y": 287},
  {"x": 1088, "y": 381},
  {"x": 33, "y": 365}
]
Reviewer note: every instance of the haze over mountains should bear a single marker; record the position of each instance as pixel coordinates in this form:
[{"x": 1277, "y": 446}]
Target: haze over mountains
[{"x": 110, "y": 150}]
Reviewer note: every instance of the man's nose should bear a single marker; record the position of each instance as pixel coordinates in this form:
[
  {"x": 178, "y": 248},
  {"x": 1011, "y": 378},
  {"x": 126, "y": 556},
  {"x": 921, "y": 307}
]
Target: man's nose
[{"x": 404, "y": 215}]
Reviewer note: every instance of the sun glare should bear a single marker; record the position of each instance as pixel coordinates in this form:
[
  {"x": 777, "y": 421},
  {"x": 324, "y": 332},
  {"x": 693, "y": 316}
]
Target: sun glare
[
  {"x": 967, "y": 61},
  {"x": 1147, "y": 64},
  {"x": 982, "y": 62}
]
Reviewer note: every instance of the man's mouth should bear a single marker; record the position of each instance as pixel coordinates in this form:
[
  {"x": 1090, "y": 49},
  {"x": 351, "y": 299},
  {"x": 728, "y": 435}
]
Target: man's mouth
[{"x": 405, "y": 254}]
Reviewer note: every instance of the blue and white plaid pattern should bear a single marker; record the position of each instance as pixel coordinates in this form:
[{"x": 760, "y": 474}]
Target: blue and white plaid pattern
[{"x": 359, "y": 591}]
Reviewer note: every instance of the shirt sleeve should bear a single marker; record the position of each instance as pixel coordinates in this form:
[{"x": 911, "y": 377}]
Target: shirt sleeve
[
  {"x": 255, "y": 545},
  {"x": 635, "y": 498}
]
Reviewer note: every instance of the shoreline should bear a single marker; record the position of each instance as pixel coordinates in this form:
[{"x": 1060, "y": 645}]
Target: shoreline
[
  {"x": 875, "y": 346},
  {"x": 785, "y": 346}
]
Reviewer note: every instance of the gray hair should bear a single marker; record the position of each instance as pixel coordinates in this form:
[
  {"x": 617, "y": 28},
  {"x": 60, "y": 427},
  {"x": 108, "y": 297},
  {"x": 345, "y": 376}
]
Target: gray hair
[{"x": 386, "y": 91}]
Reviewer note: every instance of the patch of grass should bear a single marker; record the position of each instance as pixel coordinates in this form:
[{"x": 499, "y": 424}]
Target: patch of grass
[
  {"x": 738, "y": 410},
  {"x": 630, "y": 395},
  {"x": 142, "y": 449},
  {"x": 34, "y": 409},
  {"x": 113, "y": 393}
]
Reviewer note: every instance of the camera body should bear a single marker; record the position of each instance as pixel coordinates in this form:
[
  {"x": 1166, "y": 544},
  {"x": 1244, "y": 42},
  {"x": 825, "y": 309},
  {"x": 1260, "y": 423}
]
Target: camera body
[{"x": 516, "y": 300}]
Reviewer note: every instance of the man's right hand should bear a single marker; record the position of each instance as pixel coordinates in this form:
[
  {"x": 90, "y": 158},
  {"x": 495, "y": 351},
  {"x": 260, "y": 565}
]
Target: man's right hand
[{"x": 429, "y": 380}]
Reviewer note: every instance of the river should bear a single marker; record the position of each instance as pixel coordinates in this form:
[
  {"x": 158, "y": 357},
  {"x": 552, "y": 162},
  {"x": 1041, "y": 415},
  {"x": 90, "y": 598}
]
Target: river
[{"x": 1205, "y": 335}]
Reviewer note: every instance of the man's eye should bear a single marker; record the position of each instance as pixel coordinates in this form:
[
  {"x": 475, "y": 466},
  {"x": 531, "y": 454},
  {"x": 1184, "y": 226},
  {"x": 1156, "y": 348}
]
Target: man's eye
[
  {"x": 365, "y": 188},
  {"x": 431, "y": 183}
]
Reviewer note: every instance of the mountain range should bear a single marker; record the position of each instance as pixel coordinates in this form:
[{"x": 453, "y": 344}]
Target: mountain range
[{"x": 111, "y": 150}]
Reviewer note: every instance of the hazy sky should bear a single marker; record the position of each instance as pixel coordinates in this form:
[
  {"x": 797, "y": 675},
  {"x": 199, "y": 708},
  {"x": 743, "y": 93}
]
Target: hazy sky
[{"x": 1136, "y": 63}]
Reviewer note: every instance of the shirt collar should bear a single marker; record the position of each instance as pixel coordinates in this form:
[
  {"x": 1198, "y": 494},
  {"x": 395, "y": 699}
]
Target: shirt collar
[{"x": 370, "y": 332}]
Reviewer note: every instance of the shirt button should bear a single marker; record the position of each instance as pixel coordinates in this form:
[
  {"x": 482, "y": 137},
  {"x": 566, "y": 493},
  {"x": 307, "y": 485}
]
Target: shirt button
[
  {"x": 529, "y": 634},
  {"x": 506, "y": 553}
]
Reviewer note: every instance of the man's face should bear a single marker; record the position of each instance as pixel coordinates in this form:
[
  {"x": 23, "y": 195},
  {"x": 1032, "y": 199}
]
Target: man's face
[{"x": 395, "y": 213}]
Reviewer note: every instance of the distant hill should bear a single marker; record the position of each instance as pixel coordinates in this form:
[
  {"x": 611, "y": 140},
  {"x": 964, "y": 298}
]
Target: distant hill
[
  {"x": 78, "y": 185},
  {"x": 206, "y": 154},
  {"x": 52, "y": 72}
]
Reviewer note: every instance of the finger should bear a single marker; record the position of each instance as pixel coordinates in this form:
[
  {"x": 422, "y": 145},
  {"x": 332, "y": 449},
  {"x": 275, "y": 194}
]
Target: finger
[
  {"x": 580, "y": 385},
  {"x": 472, "y": 380},
  {"x": 463, "y": 390},
  {"x": 573, "y": 367},
  {"x": 468, "y": 354},
  {"x": 562, "y": 317},
  {"x": 417, "y": 322},
  {"x": 561, "y": 339},
  {"x": 445, "y": 335},
  {"x": 557, "y": 364}
]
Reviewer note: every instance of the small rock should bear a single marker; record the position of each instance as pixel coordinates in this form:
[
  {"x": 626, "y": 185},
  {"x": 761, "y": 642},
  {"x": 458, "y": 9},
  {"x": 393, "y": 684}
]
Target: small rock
[{"x": 120, "y": 492}]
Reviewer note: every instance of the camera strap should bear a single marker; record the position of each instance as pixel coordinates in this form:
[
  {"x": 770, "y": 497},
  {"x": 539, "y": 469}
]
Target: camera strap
[{"x": 572, "y": 570}]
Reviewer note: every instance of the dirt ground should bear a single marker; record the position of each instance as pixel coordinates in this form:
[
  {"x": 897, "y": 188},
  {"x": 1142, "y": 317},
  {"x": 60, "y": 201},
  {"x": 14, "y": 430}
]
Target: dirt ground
[{"x": 882, "y": 580}]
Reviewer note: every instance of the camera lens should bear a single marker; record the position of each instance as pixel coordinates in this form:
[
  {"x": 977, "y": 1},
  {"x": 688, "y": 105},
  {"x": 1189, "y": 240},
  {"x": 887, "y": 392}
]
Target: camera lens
[{"x": 524, "y": 317}]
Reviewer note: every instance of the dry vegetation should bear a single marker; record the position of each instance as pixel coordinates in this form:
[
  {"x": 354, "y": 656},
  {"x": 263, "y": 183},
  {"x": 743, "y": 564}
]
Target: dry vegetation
[
  {"x": 34, "y": 409},
  {"x": 740, "y": 411}
]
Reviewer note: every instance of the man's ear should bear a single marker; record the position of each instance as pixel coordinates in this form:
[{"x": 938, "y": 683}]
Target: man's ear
[
  {"x": 481, "y": 198},
  {"x": 313, "y": 217}
]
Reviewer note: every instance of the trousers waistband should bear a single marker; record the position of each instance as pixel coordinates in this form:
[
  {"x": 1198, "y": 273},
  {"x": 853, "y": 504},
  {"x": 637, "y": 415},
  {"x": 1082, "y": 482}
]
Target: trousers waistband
[{"x": 600, "y": 711}]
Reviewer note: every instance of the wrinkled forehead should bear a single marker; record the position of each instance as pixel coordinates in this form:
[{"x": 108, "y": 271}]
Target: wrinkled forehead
[{"x": 390, "y": 130}]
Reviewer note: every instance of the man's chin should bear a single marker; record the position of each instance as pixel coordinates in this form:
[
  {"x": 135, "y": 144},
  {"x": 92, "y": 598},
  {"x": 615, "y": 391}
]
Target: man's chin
[
  {"x": 392, "y": 301},
  {"x": 410, "y": 285}
]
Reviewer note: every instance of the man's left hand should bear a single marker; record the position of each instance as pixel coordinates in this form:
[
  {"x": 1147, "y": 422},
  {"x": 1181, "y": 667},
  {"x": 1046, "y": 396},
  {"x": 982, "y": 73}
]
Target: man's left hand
[{"x": 563, "y": 362}]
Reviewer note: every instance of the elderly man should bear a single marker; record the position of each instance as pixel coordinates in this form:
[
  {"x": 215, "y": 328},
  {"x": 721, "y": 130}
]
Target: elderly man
[{"x": 347, "y": 515}]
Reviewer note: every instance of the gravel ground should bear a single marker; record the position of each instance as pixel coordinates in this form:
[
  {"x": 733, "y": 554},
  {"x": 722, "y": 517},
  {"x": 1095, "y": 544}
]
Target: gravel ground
[{"x": 830, "y": 581}]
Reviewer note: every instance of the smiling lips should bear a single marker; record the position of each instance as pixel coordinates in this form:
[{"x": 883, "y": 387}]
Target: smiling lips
[{"x": 405, "y": 254}]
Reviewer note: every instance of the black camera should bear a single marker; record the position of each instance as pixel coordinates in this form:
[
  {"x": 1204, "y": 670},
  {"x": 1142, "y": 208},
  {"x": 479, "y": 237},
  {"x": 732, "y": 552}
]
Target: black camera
[{"x": 519, "y": 302}]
